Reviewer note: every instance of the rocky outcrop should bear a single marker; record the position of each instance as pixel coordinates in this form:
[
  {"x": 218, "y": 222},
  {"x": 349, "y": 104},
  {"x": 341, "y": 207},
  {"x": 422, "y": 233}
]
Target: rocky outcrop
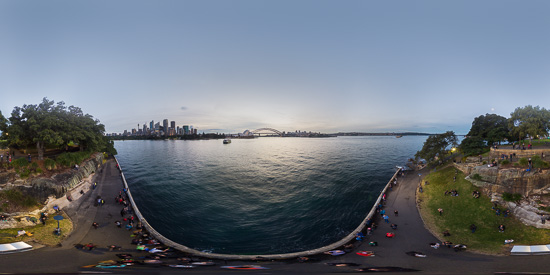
[
  {"x": 42, "y": 188},
  {"x": 529, "y": 214},
  {"x": 510, "y": 180},
  {"x": 533, "y": 185}
]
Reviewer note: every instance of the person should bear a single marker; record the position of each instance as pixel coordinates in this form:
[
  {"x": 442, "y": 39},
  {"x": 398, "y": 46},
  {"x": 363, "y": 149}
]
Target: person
[
  {"x": 386, "y": 218},
  {"x": 95, "y": 225},
  {"x": 440, "y": 210},
  {"x": 335, "y": 252},
  {"x": 390, "y": 235},
  {"x": 393, "y": 226},
  {"x": 396, "y": 213},
  {"x": 508, "y": 241},
  {"x": 359, "y": 236},
  {"x": 435, "y": 245},
  {"x": 501, "y": 228},
  {"x": 29, "y": 158},
  {"x": 118, "y": 224},
  {"x": 446, "y": 233},
  {"x": 90, "y": 246},
  {"x": 473, "y": 227},
  {"x": 21, "y": 233}
]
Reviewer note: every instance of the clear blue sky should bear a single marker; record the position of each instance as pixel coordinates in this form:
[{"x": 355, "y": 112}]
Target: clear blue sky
[{"x": 328, "y": 66}]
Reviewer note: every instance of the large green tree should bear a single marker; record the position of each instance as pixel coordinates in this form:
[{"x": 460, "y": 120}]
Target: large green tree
[
  {"x": 436, "y": 146},
  {"x": 3, "y": 123},
  {"x": 491, "y": 128},
  {"x": 529, "y": 121},
  {"x": 54, "y": 125}
]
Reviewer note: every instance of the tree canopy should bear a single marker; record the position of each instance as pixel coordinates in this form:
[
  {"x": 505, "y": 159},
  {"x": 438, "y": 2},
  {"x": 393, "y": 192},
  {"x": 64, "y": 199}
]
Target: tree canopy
[
  {"x": 491, "y": 128},
  {"x": 436, "y": 146},
  {"x": 529, "y": 121},
  {"x": 51, "y": 124}
]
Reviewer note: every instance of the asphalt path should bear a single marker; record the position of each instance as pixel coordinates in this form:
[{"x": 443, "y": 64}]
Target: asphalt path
[{"x": 411, "y": 235}]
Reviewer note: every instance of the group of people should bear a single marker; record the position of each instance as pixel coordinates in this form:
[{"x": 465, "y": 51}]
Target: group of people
[{"x": 453, "y": 193}]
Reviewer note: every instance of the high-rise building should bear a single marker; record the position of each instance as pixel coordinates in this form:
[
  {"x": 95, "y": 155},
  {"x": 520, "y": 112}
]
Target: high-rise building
[
  {"x": 165, "y": 126},
  {"x": 186, "y": 129},
  {"x": 144, "y": 131},
  {"x": 152, "y": 125}
]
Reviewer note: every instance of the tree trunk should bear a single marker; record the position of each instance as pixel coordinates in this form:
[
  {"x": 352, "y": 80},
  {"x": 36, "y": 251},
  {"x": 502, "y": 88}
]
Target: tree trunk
[
  {"x": 81, "y": 146},
  {"x": 40, "y": 150}
]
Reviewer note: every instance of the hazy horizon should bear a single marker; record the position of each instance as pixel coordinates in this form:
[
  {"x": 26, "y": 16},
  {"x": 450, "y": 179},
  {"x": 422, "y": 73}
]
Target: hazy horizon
[{"x": 320, "y": 66}]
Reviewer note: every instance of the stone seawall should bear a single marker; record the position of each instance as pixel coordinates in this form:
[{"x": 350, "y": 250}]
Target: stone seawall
[{"x": 186, "y": 249}]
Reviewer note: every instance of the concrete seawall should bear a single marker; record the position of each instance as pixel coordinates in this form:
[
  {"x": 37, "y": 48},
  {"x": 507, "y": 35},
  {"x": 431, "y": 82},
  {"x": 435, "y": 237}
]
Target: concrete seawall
[{"x": 186, "y": 249}]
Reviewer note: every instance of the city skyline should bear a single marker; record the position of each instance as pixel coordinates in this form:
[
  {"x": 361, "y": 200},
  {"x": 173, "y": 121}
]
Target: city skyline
[{"x": 327, "y": 66}]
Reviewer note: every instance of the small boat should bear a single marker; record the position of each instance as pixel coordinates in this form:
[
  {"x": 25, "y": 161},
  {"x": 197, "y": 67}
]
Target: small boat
[
  {"x": 399, "y": 136},
  {"x": 226, "y": 141}
]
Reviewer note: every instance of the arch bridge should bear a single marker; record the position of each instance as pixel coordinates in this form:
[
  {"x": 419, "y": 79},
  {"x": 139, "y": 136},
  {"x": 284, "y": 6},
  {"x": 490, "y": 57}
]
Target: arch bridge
[{"x": 259, "y": 131}]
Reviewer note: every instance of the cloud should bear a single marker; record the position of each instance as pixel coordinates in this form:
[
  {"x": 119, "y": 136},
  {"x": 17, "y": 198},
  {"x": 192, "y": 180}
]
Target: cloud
[{"x": 183, "y": 108}]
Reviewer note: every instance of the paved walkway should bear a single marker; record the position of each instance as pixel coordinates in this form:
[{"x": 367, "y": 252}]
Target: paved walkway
[
  {"x": 410, "y": 236},
  {"x": 82, "y": 212}
]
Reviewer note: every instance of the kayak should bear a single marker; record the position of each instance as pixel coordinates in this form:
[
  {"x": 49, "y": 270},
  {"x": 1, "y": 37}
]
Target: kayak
[
  {"x": 181, "y": 266},
  {"x": 203, "y": 263},
  {"x": 244, "y": 267},
  {"x": 365, "y": 253}
]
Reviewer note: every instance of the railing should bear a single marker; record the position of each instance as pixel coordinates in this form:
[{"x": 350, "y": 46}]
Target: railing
[{"x": 186, "y": 249}]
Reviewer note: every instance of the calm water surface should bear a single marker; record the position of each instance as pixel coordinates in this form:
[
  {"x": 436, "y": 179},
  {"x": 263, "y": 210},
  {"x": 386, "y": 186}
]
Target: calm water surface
[{"x": 263, "y": 195}]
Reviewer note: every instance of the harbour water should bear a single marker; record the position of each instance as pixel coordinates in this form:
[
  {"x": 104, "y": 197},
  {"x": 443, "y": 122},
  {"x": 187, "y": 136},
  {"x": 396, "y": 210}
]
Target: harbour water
[{"x": 260, "y": 196}]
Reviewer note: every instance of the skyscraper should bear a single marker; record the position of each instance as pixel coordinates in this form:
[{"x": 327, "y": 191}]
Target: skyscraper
[{"x": 165, "y": 126}]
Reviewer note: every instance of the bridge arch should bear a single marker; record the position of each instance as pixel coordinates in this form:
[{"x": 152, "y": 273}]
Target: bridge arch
[{"x": 257, "y": 131}]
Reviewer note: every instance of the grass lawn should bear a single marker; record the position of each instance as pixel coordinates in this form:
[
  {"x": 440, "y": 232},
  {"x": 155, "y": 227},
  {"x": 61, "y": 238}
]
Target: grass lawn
[
  {"x": 42, "y": 234},
  {"x": 459, "y": 212}
]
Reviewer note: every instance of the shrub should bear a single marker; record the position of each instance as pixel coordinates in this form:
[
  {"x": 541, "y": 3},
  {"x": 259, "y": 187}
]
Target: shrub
[
  {"x": 484, "y": 162},
  {"x": 476, "y": 177},
  {"x": 19, "y": 163},
  {"x": 504, "y": 162},
  {"x": 516, "y": 197},
  {"x": 39, "y": 171},
  {"x": 16, "y": 197},
  {"x": 49, "y": 164},
  {"x": 25, "y": 173},
  {"x": 539, "y": 163},
  {"x": 70, "y": 159},
  {"x": 523, "y": 162}
]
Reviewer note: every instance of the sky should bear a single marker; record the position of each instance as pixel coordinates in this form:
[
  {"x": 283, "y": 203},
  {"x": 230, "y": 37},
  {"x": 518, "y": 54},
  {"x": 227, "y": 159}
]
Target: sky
[{"x": 321, "y": 66}]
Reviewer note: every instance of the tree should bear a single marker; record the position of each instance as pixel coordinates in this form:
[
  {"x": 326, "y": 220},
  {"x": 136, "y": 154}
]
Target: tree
[
  {"x": 436, "y": 146},
  {"x": 529, "y": 121},
  {"x": 53, "y": 125},
  {"x": 3, "y": 123},
  {"x": 472, "y": 145},
  {"x": 490, "y": 127}
]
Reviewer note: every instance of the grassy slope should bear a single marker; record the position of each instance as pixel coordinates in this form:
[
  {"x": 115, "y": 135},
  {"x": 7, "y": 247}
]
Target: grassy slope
[
  {"x": 460, "y": 212},
  {"x": 42, "y": 234}
]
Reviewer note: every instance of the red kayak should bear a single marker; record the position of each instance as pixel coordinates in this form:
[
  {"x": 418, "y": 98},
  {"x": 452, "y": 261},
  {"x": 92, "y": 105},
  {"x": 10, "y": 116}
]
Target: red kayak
[{"x": 365, "y": 253}]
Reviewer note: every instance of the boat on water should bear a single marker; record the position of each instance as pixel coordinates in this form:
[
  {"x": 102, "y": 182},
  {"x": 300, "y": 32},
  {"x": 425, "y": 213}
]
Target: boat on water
[
  {"x": 399, "y": 136},
  {"x": 226, "y": 141}
]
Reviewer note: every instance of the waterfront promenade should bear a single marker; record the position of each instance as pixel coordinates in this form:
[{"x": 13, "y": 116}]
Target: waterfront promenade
[{"x": 410, "y": 236}]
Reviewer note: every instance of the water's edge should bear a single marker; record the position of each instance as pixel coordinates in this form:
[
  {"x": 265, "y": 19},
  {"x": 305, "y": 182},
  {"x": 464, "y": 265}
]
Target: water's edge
[{"x": 186, "y": 249}]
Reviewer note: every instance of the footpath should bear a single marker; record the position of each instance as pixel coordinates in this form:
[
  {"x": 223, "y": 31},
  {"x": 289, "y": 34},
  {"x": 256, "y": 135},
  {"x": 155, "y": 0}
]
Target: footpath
[{"x": 410, "y": 235}]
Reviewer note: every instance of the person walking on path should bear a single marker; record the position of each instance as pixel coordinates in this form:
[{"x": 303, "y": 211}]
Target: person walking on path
[
  {"x": 386, "y": 218},
  {"x": 95, "y": 225},
  {"x": 396, "y": 212}
]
